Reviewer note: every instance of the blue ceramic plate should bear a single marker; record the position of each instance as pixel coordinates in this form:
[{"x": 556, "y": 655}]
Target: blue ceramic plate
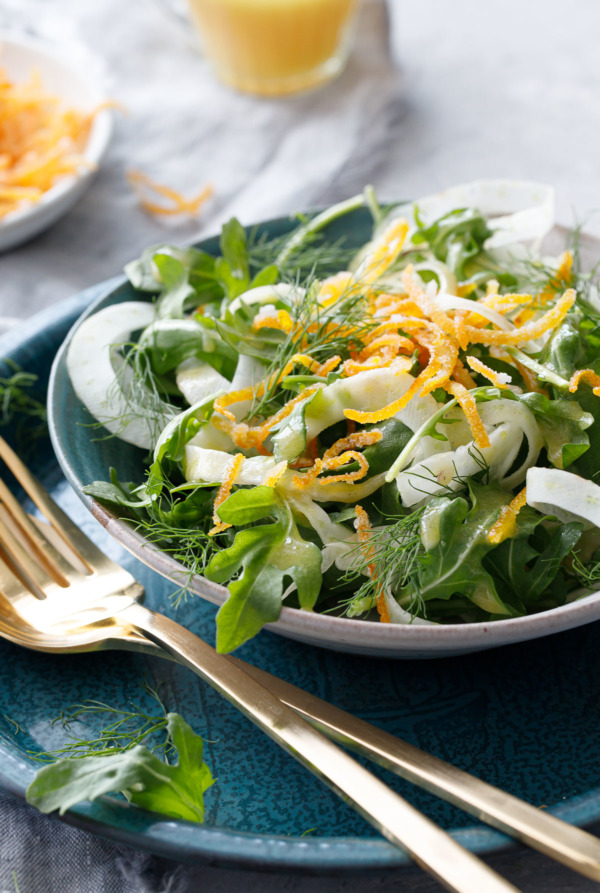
[{"x": 524, "y": 717}]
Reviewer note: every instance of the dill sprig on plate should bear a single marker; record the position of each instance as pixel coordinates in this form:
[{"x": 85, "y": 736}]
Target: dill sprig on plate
[{"x": 125, "y": 729}]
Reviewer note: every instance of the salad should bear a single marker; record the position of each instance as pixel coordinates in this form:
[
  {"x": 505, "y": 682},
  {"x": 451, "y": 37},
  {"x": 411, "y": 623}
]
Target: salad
[{"x": 405, "y": 431}]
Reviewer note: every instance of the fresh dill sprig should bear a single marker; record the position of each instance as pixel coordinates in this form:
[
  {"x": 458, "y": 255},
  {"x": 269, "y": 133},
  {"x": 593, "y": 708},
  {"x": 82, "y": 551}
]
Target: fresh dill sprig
[
  {"x": 125, "y": 730},
  {"x": 192, "y": 547},
  {"x": 315, "y": 256},
  {"x": 389, "y": 560},
  {"x": 19, "y": 404},
  {"x": 319, "y": 332},
  {"x": 587, "y": 575}
]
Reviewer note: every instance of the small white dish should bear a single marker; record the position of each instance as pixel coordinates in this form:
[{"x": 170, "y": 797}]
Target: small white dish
[{"x": 80, "y": 86}]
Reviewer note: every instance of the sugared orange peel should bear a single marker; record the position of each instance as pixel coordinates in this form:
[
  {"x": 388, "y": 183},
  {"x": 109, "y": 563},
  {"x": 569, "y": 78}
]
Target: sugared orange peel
[
  {"x": 334, "y": 287},
  {"x": 363, "y": 529},
  {"x": 498, "y": 379},
  {"x": 273, "y": 476},
  {"x": 248, "y": 437},
  {"x": 280, "y": 320},
  {"x": 342, "y": 452},
  {"x": 467, "y": 403},
  {"x": 223, "y": 492},
  {"x": 384, "y": 252},
  {"x": 144, "y": 186},
  {"x": 443, "y": 354},
  {"x": 587, "y": 375},
  {"x": 357, "y": 440},
  {"x": 528, "y": 332},
  {"x": 506, "y": 525}
]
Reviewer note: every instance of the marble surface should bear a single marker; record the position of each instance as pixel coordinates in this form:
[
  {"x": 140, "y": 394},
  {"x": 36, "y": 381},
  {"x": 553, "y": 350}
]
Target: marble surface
[{"x": 436, "y": 93}]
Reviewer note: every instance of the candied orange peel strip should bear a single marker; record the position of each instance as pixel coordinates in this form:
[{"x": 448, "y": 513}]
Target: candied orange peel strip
[
  {"x": 385, "y": 251},
  {"x": 491, "y": 375},
  {"x": 144, "y": 185},
  {"x": 280, "y": 320},
  {"x": 363, "y": 530},
  {"x": 587, "y": 375},
  {"x": 467, "y": 403},
  {"x": 528, "y": 332},
  {"x": 275, "y": 474},
  {"x": 506, "y": 525},
  {"x": 223, "y": 492}
]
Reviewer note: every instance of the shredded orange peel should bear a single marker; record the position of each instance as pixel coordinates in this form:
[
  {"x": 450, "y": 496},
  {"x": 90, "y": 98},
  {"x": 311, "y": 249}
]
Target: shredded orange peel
[
  {"x": 363, "y": 530},
  {"x": 506, "y": 525},
  {"x": 589, "y": 376},
  {"x": 144, "y": 186},
  {"x": 224, "y": 491},
  {"x": 494, "y": 377}
]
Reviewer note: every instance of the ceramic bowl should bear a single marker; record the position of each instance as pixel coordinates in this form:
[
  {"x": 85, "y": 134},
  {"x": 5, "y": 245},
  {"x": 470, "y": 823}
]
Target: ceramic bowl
[
  {"x": 79, "y": 84},
  {"x": 85, "y": 457}
]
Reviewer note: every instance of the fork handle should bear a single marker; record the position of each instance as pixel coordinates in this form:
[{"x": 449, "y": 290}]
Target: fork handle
[
  {"x": 544, "y": 832},
  {"x": 431, "y": 847}
]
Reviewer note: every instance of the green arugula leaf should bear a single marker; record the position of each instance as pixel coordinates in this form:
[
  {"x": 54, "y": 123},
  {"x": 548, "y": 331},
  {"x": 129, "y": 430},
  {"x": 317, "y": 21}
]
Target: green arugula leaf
[
  {"x": 263, "y": 557},
  {"x": 454, "y": 564},
  {"x": 456, "y": 238},
  {"x": 168, "y": 342},
  {"x": 562, "y": 424},
  {"x": 527, "y": 566},
  {"x": 146, "y": 780},
  {"x": 232, "y": 269}
]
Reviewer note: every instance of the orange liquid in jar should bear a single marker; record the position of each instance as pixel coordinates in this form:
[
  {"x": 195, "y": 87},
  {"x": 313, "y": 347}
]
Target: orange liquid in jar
[{"x": 272, "y": 47}]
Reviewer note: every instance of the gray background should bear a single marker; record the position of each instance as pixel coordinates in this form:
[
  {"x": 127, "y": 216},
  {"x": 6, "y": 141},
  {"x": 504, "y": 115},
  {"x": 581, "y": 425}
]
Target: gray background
[{"x": 436, "y": 93}]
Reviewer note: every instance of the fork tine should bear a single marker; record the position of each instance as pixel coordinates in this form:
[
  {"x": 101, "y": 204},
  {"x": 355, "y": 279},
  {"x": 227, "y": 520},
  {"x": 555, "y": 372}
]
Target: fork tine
[
  {"x": 15, "y": 567},
  {"x": 33, "y": 539},
  {"x": 85, "y": 550}
]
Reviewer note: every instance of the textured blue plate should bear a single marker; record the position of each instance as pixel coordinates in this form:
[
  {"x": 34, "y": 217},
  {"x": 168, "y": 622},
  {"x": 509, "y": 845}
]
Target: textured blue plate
[{"x": 524, "y": 717}]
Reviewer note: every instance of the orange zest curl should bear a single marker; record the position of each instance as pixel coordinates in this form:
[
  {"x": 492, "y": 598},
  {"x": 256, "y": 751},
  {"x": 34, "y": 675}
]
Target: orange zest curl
[
  {"x": 491, "y": 375},
  {"x": 528, "y": 332},
  {"x": 385, "y": 251},
  {"x": 341, "y": 460},
  {"x": 143, "y": 185},
  {"x": 443, "y": 354},
  {"x": 467, "y": 403},
  {"x": 223, "y": 492},
  {"x": 273, "y": 476},
  {"x": 281, "y": 320},
  {"x": 587, "y": 375},
  {"x": 354, "y": 441},
  {"x": 363, "y": 530},
  {"x": 41, "y": 141},
  {"x": 506, "y": 525},
  {"x": 333, "y": 288}
]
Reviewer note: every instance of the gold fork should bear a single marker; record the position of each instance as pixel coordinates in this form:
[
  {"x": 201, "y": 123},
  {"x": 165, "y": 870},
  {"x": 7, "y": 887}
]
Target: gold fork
[{"x": 60, "y": 593}]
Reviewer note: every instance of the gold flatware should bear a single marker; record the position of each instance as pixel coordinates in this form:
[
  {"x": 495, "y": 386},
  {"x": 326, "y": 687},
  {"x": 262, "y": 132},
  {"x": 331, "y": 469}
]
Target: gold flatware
[{"x": 60, "y": 593}]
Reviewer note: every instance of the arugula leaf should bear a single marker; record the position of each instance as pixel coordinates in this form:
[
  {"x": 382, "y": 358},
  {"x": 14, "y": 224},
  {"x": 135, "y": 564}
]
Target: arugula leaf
[
  {"x": 232, "y": 269},
  {"x": 263, "y": 557},
  {"x": 455, "y": 238},
  {"x": 527, "y": 566},
  {"x": 168, "y": 342},
  {"x": 562, "y": 424},
  {"x": 146, "y": 780},
  {"x": 198, "y": 266},
  {"x": 454, "y": 564}
]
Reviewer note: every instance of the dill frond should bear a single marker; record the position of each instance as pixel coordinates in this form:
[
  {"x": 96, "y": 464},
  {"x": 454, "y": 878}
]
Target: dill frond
[
  {"x": 125, "y": 730},
  {"x": 389, "y": 561}
]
